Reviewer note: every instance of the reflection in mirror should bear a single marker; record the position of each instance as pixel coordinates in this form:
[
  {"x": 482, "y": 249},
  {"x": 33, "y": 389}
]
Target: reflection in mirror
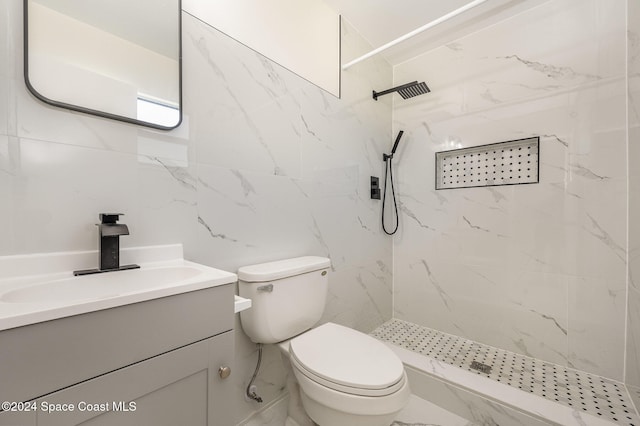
[{"x": 119, "y": 59}]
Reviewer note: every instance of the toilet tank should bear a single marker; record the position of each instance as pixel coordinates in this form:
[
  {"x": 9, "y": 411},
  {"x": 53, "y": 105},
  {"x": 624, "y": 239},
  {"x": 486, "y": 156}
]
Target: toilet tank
[{"x": 287, "y": 297}]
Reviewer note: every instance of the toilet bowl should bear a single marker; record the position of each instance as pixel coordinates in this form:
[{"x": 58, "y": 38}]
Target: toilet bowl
[{"x": 345, "y": 377}]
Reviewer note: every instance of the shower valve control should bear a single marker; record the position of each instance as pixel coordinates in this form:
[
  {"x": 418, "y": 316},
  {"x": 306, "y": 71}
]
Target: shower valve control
[{"x": 375, "y": 188}]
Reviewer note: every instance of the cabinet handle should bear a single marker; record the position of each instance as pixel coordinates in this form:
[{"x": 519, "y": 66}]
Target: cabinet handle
[{"x": 224, "y": 372}]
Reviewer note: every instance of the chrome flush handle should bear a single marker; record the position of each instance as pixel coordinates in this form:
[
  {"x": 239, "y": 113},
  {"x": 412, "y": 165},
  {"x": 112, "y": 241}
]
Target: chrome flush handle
[{"x": 266, "y": 288}]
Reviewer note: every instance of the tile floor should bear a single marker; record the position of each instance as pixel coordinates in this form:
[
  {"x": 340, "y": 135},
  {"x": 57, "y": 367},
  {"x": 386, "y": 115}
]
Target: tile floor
[{"x": 418, "y": 412}]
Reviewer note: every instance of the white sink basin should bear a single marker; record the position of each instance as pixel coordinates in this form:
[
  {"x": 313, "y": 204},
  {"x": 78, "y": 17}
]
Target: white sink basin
[
  {"x": 41, "y": 287},
  {"x": 104, "y": 285}
]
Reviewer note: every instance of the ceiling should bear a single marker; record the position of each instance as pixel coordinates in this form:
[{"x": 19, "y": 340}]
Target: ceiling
[{"x": 381, "y": 21}]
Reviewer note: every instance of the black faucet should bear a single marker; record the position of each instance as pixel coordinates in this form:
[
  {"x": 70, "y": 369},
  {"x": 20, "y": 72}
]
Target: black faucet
[{"x": 109, "y": 232}]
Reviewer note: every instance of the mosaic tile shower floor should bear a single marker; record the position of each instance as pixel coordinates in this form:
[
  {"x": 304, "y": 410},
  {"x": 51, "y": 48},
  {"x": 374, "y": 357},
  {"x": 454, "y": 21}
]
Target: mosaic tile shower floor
[{"x": 593, "y": 394}]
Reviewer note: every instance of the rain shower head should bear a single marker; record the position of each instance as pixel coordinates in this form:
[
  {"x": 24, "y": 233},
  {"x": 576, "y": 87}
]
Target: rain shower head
[{"x": 407, "y": 91}]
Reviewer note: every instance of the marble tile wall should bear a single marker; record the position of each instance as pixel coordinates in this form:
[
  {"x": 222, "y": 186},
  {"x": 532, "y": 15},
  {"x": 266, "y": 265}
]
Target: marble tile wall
[
  {"x": 536, "y": 269},
  {"x": 633, "y": 309},
  {"x": 265, "y": 166}
]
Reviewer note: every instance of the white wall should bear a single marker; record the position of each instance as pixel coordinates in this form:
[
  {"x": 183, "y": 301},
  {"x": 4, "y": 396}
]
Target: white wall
[
  {"x": 536, "y": 269},
  {"x": 67, "y": 63},
  {"x": 301, "y": 35}
]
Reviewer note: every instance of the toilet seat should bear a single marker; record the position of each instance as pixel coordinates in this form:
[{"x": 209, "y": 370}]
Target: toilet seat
[{"x": 347, "y": 361}]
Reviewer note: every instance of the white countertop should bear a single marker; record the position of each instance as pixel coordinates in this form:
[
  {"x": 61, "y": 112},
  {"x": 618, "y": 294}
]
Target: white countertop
[
  {"x": 39, "y": 273},
  {"x": 241, "y": 304}
]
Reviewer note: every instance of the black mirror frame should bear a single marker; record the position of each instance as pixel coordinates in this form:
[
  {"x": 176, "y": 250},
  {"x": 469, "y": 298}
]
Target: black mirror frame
[{"x": 93, "y": 111}]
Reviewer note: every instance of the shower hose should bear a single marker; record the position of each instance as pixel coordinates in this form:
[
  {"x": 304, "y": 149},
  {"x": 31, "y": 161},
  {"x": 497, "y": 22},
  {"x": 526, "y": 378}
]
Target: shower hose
[{"x": 388, "y": 171}]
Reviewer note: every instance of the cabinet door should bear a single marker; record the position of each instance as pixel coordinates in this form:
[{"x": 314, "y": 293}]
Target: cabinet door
[
  {"x": 18, "y": 418},
  {"x": 221, "y": 390},
  {"x": 166, "y": 390}
]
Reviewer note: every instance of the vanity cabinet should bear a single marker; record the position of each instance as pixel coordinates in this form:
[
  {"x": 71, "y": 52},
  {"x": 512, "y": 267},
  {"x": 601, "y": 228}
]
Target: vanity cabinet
[{"x": 150, "y": 363}]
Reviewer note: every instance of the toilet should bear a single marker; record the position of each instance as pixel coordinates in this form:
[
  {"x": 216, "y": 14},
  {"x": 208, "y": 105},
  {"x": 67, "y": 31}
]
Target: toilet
[{"x": 345, "y": 377}]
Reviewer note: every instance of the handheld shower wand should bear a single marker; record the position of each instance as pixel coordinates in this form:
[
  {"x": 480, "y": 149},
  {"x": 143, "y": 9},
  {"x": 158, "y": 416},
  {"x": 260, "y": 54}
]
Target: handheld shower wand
[
  {"x": 386, "y": 157},
  {"x": 388, "y": 171}
]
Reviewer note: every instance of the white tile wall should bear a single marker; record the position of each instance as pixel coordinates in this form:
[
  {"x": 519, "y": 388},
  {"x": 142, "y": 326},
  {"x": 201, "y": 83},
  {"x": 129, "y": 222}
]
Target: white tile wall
[
  {"x": 265, "y": 166},
  {"x": 633, "y": 315},
  {"x": 536, "y": 269}
]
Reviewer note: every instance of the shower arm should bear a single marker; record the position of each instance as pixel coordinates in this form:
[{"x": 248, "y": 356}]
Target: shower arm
[
  {"x": 415, "y": 32},
  {"x": 393, "y": 89}
]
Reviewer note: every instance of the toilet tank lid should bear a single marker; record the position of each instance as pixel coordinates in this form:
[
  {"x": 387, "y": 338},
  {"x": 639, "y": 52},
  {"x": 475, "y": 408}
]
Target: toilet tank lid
[{"x": 282, "y": 268}]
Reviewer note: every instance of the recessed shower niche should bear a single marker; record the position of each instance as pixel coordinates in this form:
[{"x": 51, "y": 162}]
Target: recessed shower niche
[{"x": 504, "y": 163}]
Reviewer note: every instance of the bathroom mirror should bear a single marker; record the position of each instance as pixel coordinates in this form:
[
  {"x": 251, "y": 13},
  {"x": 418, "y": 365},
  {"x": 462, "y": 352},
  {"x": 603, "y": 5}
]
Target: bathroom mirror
[{"x": 119, "y": 59}]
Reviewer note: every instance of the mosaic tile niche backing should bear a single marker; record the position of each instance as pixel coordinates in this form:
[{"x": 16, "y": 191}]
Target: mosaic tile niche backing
[{"x": 504, "y": 163}]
